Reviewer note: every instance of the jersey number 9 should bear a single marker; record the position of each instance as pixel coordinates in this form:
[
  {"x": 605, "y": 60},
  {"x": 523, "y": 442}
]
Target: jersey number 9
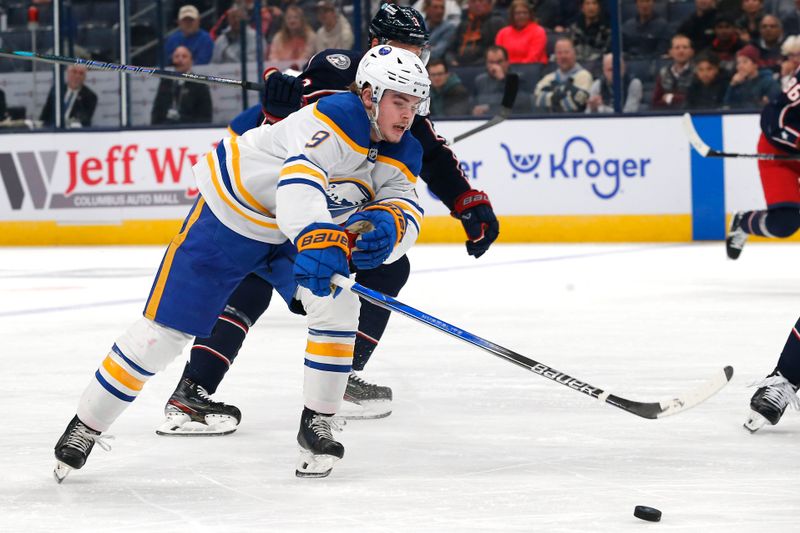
[{"x": 317, "y": 138}]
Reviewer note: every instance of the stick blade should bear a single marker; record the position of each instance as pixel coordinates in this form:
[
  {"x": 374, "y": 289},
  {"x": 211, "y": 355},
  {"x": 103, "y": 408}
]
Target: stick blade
[
  {"x": 677, "y": 404},
  {"x": 694, "y": 138}
]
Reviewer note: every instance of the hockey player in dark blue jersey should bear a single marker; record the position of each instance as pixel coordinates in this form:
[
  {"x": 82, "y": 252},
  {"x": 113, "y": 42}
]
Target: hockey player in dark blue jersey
[
  {"x": 780, "y": 134},
  {"x": 328, "y": 72}
]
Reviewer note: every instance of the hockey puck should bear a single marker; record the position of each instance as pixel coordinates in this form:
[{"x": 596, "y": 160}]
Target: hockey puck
[{"x": 651, "y": 514}]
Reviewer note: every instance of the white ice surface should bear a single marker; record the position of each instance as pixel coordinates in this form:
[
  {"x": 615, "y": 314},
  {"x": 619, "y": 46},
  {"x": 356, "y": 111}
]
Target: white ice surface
[{"x": 474, "y": 443}]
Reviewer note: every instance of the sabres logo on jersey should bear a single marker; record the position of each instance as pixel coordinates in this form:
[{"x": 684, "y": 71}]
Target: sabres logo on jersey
[
  {"x": 344, "y": 195},
  {"x": 340, "y": 61}
]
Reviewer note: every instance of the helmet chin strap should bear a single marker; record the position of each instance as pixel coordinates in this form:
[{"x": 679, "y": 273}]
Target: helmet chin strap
[{"x": 373, "y": 119}]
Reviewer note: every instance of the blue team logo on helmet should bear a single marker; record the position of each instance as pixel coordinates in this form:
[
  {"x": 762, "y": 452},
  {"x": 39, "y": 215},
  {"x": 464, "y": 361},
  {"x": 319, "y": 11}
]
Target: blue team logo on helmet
[{"x": 385, "y": 50}]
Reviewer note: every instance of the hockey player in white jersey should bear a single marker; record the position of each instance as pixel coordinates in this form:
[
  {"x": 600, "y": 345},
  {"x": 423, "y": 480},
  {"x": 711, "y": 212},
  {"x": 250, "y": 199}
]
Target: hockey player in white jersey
[{"x": 279, "y": 198}]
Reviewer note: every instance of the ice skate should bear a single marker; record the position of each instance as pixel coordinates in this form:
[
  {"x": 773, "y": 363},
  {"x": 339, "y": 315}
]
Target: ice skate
[
  {"x": 74, "y": 446},
  {"x": 736, "y": 238},
  {"x": 769, "y": 402},
  {"x": 364, "y": 400},
  {"x": 318, "y": 449},
  {"x": 191, "y": 412}
]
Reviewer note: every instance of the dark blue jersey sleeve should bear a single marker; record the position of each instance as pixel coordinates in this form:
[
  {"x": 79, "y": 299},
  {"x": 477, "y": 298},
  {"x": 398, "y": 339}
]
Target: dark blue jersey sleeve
[
  {"x": 440, "y": 168},
  {"x": 250, "y": 118},
  {"x": 780, "y": 118}
]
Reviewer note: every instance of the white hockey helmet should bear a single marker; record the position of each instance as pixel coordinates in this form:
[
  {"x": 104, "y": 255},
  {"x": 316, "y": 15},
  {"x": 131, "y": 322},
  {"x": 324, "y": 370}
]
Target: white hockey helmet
[{"x": 388, "y": 67}]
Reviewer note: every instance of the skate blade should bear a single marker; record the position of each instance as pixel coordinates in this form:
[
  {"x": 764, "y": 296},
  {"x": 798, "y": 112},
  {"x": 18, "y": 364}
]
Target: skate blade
[
  {"x": 755, "y": 422},
  {"x": 368, "y": 410},
  {"x": 61, "y": 471},
  {"x": 181, "y": 425},
  {"x": 314, "y": 466}
]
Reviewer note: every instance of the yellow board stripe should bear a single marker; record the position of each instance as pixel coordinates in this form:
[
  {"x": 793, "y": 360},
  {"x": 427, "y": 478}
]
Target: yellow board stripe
[
  {"x": 437, "y": 229},
  {"x": 166, "y": 264},
  {"x": 399, "y": 165},
  {"x": 332, "y": 125},
  {"x": 122, "y": 375},
  {"x": 221, "y": 194},
  {"x": 329, "y": 349},
  {"x": 302, "y": 169},
  {"x": 237, "y": 176}
]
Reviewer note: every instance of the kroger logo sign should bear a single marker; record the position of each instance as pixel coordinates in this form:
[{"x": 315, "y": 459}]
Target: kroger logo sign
[{"x": 578, "y": 160}]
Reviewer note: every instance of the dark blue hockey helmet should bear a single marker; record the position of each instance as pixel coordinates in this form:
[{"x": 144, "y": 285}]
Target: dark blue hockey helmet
[{"x": 400, "y": 24}]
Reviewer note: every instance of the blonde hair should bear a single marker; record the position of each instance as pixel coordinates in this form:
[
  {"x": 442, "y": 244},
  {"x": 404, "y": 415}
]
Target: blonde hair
[{"x": 791, "y": 45}]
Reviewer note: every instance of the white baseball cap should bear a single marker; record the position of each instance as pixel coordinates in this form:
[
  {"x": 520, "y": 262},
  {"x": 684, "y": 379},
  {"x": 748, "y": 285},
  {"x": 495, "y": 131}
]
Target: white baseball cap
[{"x": 188, "y": 11}]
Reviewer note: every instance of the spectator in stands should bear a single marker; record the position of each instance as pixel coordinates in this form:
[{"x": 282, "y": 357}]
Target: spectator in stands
[
  {"x": 190, "y": 35},
  {"x": 475, "y": 34},
  {"x": 791, "y": 51},
  {"x": 334, "y": 30},
  {"x": 449, "y": 97},
  {"x": 452, "y": 11},
  {"x": 78, "y": 102},
  {"x": 524, "y": 40},
  {"x": 673, "y": 80},
  {"x": 791, "y": 20},
  {"x": 646, "y": 34},
  {"x": 566, "y": 89},
  {"x": 601, "y": 95},
  {"x": 442, "y": 30},
  {"x": 769, "y": 43},
  {"x": 752, "y": 12},
  {"x": 228, "y": 46},
  {"x": 489, "y": 86},
  {"x": 591, "y": 33},
  {"x": 295, "y": 40},
  {"x": 178, "y": 101},
  {"x": 750, "y": 86},
  {"x": 726, "y": 41},
  {"x": 709, "y": 84},
  {"x": 699, "y": 27}
]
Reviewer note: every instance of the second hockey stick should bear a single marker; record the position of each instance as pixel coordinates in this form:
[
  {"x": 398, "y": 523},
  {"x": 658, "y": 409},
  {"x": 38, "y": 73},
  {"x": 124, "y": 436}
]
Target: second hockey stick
[
  {"x": 706, "y": 151},
  {"x": 509, "y": 96},
  {"x": 130, "y": 69},
  {"x": 649, "y": 410}
]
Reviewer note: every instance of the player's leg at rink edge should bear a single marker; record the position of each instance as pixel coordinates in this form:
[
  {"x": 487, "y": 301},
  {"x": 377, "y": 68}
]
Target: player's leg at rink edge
[
  {"x": 332, "y": 325},
  {"x": 144, "y": 349}
]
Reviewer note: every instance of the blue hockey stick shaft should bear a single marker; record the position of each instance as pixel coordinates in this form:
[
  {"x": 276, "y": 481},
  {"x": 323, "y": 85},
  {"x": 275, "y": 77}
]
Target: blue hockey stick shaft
[{"x": 649, "y": 410}]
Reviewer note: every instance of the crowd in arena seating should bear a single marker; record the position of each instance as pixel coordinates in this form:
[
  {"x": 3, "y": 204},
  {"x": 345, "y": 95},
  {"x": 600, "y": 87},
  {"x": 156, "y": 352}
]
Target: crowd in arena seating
[{"x": 678, "y": 54}]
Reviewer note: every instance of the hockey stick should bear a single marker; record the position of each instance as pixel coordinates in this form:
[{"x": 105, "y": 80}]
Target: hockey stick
[
  {"x": 509, "y": 96},
  {"x": 706, "y": 151},
  {"x": 649, "y": 410},
  {"x": 130, "y": 69}
]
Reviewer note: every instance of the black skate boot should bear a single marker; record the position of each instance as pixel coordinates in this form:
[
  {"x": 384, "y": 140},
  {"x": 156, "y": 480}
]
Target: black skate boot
[
  {"x": 736, "y": 238},
  {"x": 190, "y": 411},
  {"x": 74, "y": 447},
  {"x": 364, "y": 400},
  {"x": 318, "y": 449},
  {"x": 769, "y": 402}
]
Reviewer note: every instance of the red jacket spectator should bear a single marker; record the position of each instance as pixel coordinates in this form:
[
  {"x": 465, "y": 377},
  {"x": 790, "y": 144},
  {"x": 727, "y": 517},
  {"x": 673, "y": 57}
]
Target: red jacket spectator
[{"x": 524, "y": 39}]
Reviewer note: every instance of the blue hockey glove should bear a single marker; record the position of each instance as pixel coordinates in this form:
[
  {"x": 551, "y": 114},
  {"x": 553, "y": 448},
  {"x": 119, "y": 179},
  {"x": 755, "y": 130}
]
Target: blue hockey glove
[
  {"x": 322, "y": 252},
  {"x": 381, "y": 226},
  {"x": 282, "y": 96},
  {"x": 480, "y": 223}
]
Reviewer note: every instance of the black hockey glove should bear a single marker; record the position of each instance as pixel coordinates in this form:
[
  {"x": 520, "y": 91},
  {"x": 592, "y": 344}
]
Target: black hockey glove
[
  {"x": 475, "y": 212},
  {"x": 282, "y": 96}
]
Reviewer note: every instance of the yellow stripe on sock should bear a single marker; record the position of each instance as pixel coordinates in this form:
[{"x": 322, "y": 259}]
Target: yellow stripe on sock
[
  {"x": 329, "y": 349},
  {"x": 122, "y": 375}
]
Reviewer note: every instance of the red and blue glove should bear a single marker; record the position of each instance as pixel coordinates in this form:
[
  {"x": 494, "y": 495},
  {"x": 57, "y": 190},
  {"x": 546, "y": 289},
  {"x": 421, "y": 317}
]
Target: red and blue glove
[
  {"x": 381, "y": 227},
  {"x": 282, "y": 96},
  {"x": 322, "y": 252},
  {"x": 475, "y": 212}
]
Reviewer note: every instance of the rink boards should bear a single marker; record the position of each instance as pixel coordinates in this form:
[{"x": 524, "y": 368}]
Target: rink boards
[{"x": 552, "y": 180}]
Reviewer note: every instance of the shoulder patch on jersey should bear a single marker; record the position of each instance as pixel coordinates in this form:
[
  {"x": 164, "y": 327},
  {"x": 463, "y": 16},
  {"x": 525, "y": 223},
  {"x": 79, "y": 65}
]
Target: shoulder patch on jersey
[
  {"x": 340, "y": 61},
  {"x": 345, "y": 114},
  {"x": 405, "y": 155}
]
